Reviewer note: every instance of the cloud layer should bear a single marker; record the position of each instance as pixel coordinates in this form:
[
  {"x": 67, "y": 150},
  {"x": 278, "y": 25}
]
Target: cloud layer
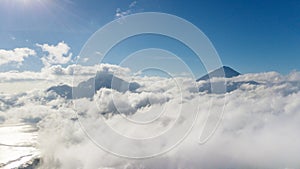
[{"x": 259, "y": 127}]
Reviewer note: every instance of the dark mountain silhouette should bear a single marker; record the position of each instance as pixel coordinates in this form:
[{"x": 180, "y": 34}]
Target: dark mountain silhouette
[
  {"x": 224, "y": 71},
  {"x": 62, "y": 90},
  {"x": 222, "y": 86},
  {"x": 91, "y": 86}
]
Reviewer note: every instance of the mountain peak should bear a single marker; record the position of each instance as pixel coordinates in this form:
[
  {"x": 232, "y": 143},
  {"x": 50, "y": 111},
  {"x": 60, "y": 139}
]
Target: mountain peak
[
  {"x": 224, "y": 71},
  {"x": 89, "y": 87}
]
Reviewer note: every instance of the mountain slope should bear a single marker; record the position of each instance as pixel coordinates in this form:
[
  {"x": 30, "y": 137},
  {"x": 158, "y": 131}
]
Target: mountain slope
[
  {"x": 91, "y": 86},
  {"x": 224, "y": 71},
  {"x": 223, "y": 86}
]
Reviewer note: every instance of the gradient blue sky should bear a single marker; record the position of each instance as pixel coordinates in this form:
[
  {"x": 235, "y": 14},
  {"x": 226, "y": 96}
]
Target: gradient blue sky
[{"x": 249, "y": 35}]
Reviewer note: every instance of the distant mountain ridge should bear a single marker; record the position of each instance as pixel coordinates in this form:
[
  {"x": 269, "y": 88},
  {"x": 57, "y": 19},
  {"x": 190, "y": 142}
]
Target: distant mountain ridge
[
  {"x": 106, "y": 80},
  {"x": 219, "y": 87},
  {"x": 91, "y": 86},
  {"x": 223, "y": 71}
]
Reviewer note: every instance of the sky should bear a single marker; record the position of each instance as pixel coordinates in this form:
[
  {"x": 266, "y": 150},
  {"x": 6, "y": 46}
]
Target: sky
[
  {"x": 40, "y": 41},
  {"x": 250, "y": 35}
]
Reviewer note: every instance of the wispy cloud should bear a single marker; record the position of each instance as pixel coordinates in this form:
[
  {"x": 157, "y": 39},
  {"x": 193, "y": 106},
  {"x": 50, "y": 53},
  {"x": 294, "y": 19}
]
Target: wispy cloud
[
  {"x": 121, "y": 13},
  {"x": 132, "y": 4}
]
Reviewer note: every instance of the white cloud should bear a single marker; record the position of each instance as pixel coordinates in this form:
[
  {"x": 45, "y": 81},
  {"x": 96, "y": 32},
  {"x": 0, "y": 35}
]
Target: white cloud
[
  {"x": 121, "y": 13},
  {"x": 132, "y": 4},
  {"x": 22, "y": 81},
  {"x": 260, "y": 123},
  {"x": 13, "y": 38},
  {"x": 56, "y": 54},
  {"x": 58, "y": 70},
  {"x": 86, "y": 70},
  {"x": 16, "y": 55}
]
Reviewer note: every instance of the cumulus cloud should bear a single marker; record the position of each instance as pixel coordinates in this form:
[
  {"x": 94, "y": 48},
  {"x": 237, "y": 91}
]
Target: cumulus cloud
[
  {"x": 86, "y": 70},
  {"x": 16, "y": 55},
  {"x": 58, "y": 70},
  {"x": 56, "y": 54},
  {"x": 259, "y": 129}
]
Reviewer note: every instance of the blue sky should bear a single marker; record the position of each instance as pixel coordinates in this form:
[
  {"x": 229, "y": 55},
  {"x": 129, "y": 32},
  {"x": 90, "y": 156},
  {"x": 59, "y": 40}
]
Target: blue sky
[{"x": 249, "y": 35}]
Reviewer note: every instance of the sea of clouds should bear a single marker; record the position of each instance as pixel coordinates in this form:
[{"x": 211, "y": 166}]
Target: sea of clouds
[{"x": 259, "y": 127}]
